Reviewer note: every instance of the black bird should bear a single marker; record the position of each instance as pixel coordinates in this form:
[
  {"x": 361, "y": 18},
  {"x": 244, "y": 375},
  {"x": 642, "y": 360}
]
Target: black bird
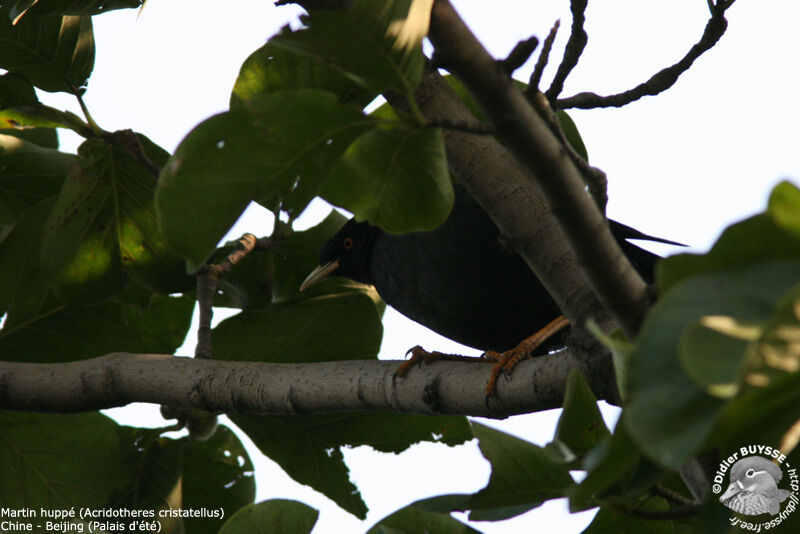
[{"x": 459, "y": 280}]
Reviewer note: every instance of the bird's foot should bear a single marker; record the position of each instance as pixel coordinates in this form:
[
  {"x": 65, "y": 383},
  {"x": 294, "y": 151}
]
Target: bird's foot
[
  {"x": 420, "y": 356},
  {"x": 506, "y": 361}
]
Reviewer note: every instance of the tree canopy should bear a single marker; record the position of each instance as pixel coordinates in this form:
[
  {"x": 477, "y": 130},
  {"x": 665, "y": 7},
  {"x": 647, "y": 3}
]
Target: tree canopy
[{"x": 105, "y": 253}]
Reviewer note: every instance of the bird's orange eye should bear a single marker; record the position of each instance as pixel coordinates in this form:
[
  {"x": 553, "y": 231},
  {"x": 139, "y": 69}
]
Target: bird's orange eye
[{"x": 347, "y": 243}]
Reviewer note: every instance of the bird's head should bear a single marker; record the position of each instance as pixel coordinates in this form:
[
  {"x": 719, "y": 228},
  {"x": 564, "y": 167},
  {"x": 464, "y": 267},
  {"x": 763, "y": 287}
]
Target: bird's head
[
  {"x": 346, "y": 254},
  {"x": 753, "y": 475}
]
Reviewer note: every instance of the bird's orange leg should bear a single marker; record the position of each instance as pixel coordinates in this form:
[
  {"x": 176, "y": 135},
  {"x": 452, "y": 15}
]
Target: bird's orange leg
[
  {"x": 420, "y": 355},
  {"x": 506, "y": 361}
]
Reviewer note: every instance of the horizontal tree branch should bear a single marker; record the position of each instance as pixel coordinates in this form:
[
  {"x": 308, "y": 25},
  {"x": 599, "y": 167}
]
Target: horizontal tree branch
[{"x": 447, "y": 387}]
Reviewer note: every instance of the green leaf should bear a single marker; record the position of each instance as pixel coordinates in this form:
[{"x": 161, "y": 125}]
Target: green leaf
[
  {"x": 713, "y": 359},
  {"x": 581, "y": 425},
  {"x": 60, "y": 461},
  {"x": 67, "y": 334},
  {"x": 277, "y": 148},
  {"x": 774, "y": 234},
  {"x": 248, "y": 286},
  {"x": 217, "y": 474},
  {"x": 38, "y": 8},
  {"x": 395, "y": 178},
  {"x": 17, "y": 91},
  {"x": 28, "y": 174},
  {"x": 670, "y": 415},
  {"x": 24, "y": 294},
  {"x": 355, "y": 41},
  {"x": 615, "y": 467},
  {"x": 329, "y": 327},
  {"x": 53, "y": 53},
  {"x": 270, "y": 69},
  {"x": 413, "y": 520},
  {"x": 608, "y": 520},
  {"x": 156, "y": 481},
  {"x": 572, "y": 134},
  {"x": 298, "y": 254},
  {"x": 523, "y": 476},
  {"x": 103, "y": 229},
  {"x": 307, "y": 447},
  {"x": 305, "y": 457},
  {"x": 768, "y": 404},
  {"x": 275, "y": 516}
]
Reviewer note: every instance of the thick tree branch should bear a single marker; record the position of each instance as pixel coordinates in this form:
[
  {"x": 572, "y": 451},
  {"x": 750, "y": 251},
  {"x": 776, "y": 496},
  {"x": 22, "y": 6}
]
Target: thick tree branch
[
  {"x": 546, "y": 162},
  {"x": 118, "y": 379}
]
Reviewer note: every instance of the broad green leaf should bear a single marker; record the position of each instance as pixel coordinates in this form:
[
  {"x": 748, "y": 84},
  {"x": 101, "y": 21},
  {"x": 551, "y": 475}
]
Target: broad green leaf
[
  {"x": 766, "y": 412},
  {"x": 355, "y": 41},
  {"x": 28, "y": 174},
  {"x": 186, "y": 474},
  {"x": 217, "y": 474},
  {"x": 270, "y": 69},
  {"x": 413, "y": 520},
  {"x": 297, "y": 255},
  {"x": 17, "y": 91},
  {"x": 768, "y": 404},
  {"x": 38, "y": 8},
  {"x": 713, "y": 359},
  {"x": 156, "y": 481},
  {"x": 395, "y": 178},
  {"x": 53, "y": 53},
  {"x": 581, "y": 425},
  {"x": 275, "y": 516},
  {"x": 670, "y": 415},
  {"x": 24, "y": 293},
  {"x": 276, "y": 148},
  {"x": 615, "y": 469},
  {"x": 103, "y": 229},
  {"x": 329, "y": 327},
  {"x": 306, "y": 458},
  {"x": 69, "y": 334},
  {"x": 523, "y": 476},
  {"x": 307, "y": 447},
  {"x": 60, "y": 461},
  {"x": 774, "y": 234},
  {"x": 608, "y": 520},
  {"x": 248, "y": 286}
]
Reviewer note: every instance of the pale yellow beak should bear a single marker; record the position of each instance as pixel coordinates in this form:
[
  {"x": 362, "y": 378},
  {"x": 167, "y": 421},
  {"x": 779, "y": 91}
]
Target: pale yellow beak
[{"x": 319, "y": 274}]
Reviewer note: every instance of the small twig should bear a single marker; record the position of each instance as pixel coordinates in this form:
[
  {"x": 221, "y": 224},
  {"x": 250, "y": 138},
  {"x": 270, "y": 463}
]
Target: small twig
[
  {"x": 207, "y": 282},
  {"x": 662, "y": 80},
  {"x": 541, "y": 63},
  {"x": 572, "y": 53},
  {"x": 519, "y": 55},
  {"x": 673, "y": 496},
  {"x": 129, "y": 141}
]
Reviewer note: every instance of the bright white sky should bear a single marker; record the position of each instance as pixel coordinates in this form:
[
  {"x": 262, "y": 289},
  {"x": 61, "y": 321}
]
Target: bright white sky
[{"x": 682, "y": 165}]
